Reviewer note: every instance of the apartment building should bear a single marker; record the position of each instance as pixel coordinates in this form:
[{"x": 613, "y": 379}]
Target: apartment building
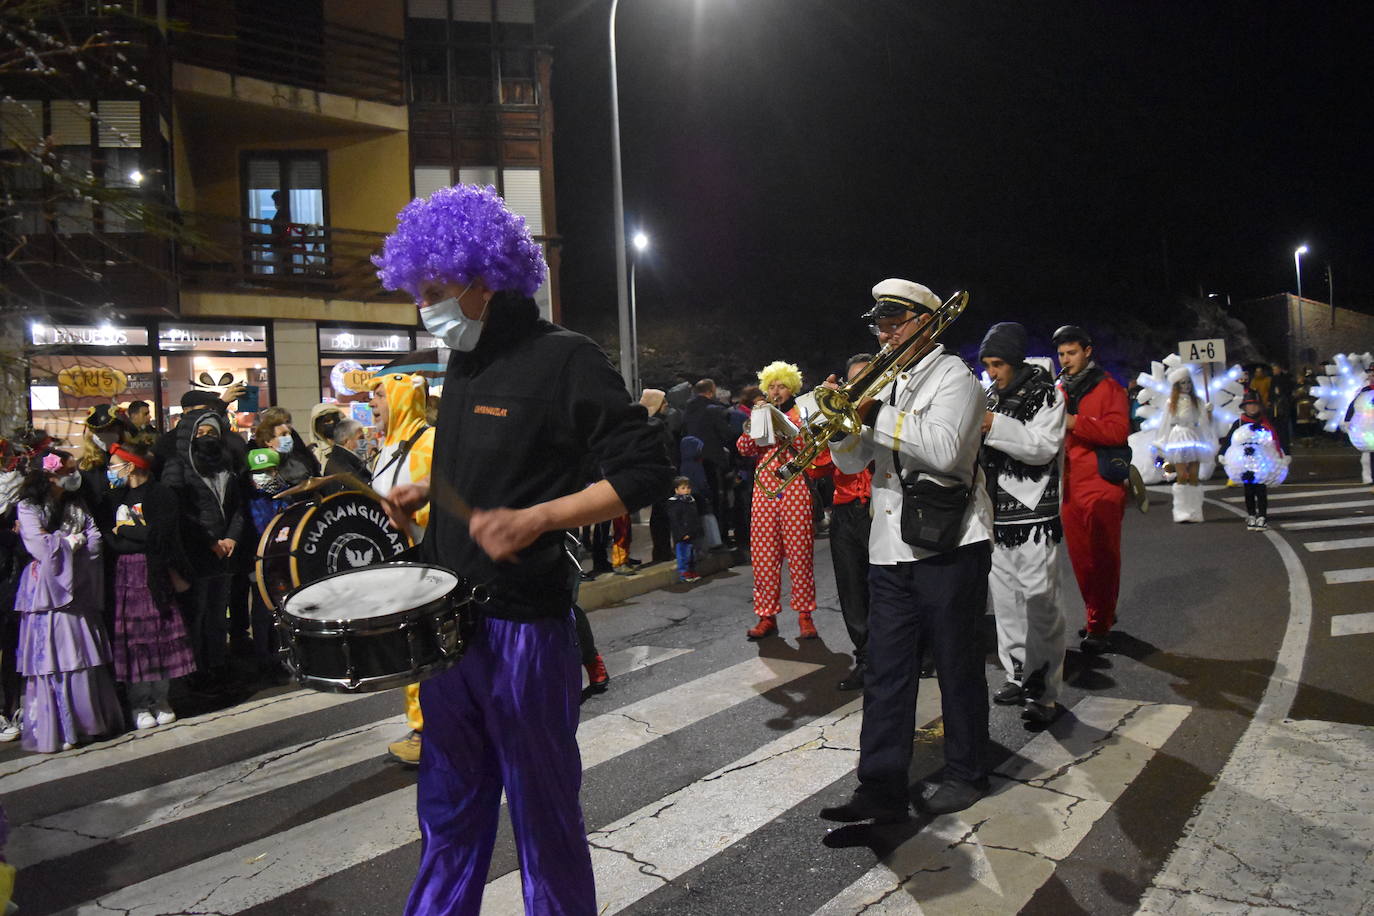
[{"x": 284, "y": 137}]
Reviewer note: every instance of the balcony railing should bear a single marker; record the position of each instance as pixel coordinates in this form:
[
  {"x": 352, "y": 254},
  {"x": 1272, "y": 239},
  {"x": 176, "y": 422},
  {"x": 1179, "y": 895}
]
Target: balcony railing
[
  {"x": 326, "y": 262},
  {"x": 321, "y": 56}
]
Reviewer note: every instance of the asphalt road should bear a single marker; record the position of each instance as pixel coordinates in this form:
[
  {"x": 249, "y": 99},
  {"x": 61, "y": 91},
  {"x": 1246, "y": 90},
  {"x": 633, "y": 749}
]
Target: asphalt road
[{"x": 286, "y": 804}]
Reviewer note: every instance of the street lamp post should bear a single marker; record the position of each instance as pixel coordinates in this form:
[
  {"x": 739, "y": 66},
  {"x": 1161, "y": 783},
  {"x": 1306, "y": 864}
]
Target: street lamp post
[
  {"x": 629, "y": 368},
  {"x": 1302, "y": 329},
  {"x": 641, "y": 242}
]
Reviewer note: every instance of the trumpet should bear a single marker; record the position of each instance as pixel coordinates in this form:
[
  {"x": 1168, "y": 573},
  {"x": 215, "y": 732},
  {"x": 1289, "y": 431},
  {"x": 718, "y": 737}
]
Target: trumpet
[{"x": 836, "y": 408}]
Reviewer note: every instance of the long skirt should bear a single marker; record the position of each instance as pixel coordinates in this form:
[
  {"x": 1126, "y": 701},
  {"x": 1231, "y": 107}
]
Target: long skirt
[
  {"x": 149, "y": 642},
  {"x": 68, "y": 692}
]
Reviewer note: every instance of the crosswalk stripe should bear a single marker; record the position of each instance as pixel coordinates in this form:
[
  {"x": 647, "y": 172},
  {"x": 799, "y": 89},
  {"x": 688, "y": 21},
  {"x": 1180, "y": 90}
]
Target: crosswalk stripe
[
  {"x": 1352, "y": 624},
  {"x": 31, "y": 770},
  {"x": 1305, "y": 494},
  {"x": 1322, "y": 507},
  {"x": 1346, "y": 576},
  {"x": 994, "y": 856},
  {"x": 639, "y": 853},
  {"x": 1343, "y": 544},
  {"x": 117, "y": 818},
  {"x": 277, "y": 864},
  {"x": 1343, "y": 522}
]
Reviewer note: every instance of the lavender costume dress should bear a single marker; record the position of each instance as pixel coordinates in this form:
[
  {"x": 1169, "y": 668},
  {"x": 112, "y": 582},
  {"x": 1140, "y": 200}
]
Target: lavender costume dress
[{"x": 63, "y": 649}]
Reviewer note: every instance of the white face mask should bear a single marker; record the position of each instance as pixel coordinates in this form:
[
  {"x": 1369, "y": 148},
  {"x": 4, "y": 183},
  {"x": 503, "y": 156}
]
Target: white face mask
[
  {"x": 446, "y": 321},
  {"x": 70, "y": 482}
]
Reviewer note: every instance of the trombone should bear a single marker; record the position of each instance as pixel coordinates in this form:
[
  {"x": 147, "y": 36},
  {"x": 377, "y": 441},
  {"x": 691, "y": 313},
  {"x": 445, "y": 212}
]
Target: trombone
[{"x": 836, "y": 414}]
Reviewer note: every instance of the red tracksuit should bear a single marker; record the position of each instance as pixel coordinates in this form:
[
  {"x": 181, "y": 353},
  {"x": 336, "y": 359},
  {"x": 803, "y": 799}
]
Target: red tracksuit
[
  {"x": 1093, "y": 508},
  {"x": 780, "y": 529}
]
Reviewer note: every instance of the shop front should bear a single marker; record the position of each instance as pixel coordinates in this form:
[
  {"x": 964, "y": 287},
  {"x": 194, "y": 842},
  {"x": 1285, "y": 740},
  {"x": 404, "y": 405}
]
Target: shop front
[{"x": 73, "y": 367}]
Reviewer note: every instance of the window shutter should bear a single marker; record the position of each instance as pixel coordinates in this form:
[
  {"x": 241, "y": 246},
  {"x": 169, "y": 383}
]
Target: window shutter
[
  {"x": 21, "y": 120},
  {"x": 480, "y": 175},
  {"x": 427, "y": 9},
  {"x": 472, "y": 10},
  {"x": 120, "y": 124},
  {"x": 523, "y": 197},
  {"x": 515, "y": 10},
  {"x": 71, "y": 123},
  {"x": 430, "y": 178}
]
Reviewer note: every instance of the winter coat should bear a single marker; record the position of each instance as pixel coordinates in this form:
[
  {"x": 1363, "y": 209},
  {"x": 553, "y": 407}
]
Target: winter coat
[
  {"x": 212, "y": 505},
  {"x": 683, "y": 519},
  {"x": 710, "y": 422},
  {"x": 693, "y": 469}
]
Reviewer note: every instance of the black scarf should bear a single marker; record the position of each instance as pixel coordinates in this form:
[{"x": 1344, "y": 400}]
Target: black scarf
[
  {"x": 1076, "y": 387},
  {"x": 1029, "y": 392}
]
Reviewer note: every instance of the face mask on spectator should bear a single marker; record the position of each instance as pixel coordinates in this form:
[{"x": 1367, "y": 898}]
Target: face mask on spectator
[{"x": 285, "y": 445}]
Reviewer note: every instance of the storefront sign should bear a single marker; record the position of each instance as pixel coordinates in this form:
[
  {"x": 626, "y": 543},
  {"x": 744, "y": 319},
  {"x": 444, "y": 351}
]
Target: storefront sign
[
  {"x": 364, "y": 340},
  {"x": 92, "y": 381},
  {"x": 213, "y": 337},
  {"x": 84, "y": 335}
]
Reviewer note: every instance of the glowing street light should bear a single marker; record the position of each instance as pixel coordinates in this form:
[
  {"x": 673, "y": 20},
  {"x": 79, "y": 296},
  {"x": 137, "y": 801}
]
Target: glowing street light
[
  {"x": 641, "y": 243},
  {"x": 1297, "y": 265}
]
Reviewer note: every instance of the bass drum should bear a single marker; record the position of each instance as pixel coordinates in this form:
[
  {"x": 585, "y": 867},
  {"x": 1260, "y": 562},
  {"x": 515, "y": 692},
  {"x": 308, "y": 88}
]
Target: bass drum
[{"x": 310, "y": 540}]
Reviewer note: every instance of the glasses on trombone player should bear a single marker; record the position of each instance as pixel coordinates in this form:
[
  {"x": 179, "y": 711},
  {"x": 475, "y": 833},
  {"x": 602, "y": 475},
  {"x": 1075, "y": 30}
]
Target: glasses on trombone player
[{"x": 881, "y": 327}]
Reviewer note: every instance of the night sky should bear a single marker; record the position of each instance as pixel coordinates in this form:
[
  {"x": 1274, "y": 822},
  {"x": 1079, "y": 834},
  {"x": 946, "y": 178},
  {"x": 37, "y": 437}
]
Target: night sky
[{"x": 1085, "y": 162}]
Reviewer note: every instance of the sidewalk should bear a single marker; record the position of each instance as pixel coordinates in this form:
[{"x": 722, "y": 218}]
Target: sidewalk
[{"x": 609, "y": 588}]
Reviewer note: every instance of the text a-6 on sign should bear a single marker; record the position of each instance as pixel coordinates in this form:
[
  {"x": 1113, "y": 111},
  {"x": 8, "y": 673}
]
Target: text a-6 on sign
[{"x": 1202, "y": 351}]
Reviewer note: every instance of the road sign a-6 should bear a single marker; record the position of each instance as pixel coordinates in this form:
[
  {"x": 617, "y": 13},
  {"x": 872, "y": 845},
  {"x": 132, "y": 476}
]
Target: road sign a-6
[{"x": 1202, "y": 351}]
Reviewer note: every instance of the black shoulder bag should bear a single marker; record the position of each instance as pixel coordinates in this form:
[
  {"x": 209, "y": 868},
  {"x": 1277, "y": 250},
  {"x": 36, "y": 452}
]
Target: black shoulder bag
[{"x": 932, "y": 514}]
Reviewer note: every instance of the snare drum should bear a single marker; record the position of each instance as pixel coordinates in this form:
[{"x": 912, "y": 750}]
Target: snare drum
[
  {"x": 374, "y": 628},
  {"x": 312, "y": 539}
]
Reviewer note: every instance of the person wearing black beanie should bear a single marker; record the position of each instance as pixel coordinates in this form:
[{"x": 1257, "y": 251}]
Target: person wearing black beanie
[{"x": 1023, "y": 433}]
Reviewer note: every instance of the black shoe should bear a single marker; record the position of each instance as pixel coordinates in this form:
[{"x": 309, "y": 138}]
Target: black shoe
[
  {"x": 1094, "y": 644},
  {"x": 1041, "y": 714},
  {"x": 952, "y": 795},
  {"x": 862, "y": 807},
  {"x": 1009, "y": 694},
  {"x": 854, "y": 680}
]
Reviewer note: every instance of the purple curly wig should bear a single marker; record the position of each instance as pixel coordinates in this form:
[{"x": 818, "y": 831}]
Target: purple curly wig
[{"x": 458, "y": 235}]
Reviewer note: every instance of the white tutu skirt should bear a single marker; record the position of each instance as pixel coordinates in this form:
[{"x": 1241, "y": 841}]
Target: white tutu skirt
[{"x": 1185, "y": 445}]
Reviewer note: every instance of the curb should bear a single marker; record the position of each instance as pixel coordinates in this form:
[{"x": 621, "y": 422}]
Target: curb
[{"x": 608, "y": 589}]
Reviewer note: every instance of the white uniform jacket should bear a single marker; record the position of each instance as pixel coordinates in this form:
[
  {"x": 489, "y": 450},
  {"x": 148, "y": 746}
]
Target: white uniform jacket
[
  {"x": 932, "y": 414},
  {"x": 1038, "y": 441}
]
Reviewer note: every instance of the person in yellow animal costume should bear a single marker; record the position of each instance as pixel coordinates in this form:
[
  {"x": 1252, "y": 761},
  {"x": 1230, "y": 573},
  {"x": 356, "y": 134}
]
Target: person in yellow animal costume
[{"x": 398, "y": 402}]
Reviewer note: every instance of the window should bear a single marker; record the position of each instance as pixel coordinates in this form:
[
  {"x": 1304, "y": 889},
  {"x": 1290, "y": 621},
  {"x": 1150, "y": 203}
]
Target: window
[
  {"x": 430, "y": 178},
  {"x": 284, "y": 206},
  {"x": 522, "y": 193},
  {"x": 480, "y": 175},
  {"x": 428, "y": 73},
  {"x": 96, "y": 140}
]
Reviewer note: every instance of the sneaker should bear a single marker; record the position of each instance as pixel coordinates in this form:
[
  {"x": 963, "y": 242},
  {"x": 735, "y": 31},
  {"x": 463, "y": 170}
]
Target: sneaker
[
  {"x": 767, "y": 626},
  {"x": 144, "y": 719},
  {"x": 808, "y": 628},
  {"x": 691, "y": 577},
  {"x": 623, "y": 570},
  {"x": 9, "y": 728},
  {"x": 598, "y": 681},
  {"x": 1249, "y": 523},
  {"x": 1261, "y": 524},
  {"x": 164, "y": 715},
  {"x": 407, "y": 750}
]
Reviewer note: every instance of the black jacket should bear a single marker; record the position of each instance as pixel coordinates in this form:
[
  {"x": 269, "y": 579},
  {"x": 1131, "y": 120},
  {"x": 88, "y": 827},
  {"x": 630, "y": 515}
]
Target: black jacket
[
  {"x": 684, "y": 519},
  {"x": 709, "y": 422},
  {"x": 342, "y": 461},
  {"x": 206, "y": 517},
  {"x": 522, "y": 416}
]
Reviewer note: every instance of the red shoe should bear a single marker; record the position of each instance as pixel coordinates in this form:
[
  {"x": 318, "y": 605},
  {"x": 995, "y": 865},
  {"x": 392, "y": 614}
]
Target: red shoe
[
  {"x": 598, "y": 681},
  {"x": 808, "y": 629},
  {"x": 767, "y": 626}
]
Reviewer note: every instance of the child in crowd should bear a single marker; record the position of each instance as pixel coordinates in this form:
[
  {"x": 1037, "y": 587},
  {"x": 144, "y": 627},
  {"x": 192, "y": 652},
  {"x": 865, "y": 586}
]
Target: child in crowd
[
  {"x": 149, "y": 638},
  {"x": 1254, "y": 459},
  {"x": 64, "y": 654},
  {"x": 685, "y": 523}
]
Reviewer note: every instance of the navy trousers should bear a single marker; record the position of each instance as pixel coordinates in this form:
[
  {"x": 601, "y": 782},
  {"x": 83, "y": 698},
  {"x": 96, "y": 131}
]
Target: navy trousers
[{"x": 936, "y": 602}]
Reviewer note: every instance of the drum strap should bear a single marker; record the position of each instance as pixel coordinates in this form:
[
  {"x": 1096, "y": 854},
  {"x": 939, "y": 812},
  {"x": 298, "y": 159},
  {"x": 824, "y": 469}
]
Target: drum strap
[{"x": 400, "y": 455}]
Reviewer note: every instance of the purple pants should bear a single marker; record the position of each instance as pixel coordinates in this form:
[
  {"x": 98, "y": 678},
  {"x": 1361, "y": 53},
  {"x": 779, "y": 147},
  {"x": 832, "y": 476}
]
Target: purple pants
[{"x": 504, "y": 717}]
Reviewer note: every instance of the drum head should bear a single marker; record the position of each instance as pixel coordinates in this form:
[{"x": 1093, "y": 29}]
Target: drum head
[
  {"x": 341, "y": 532},
  {"x": 361, "y": 595}
]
